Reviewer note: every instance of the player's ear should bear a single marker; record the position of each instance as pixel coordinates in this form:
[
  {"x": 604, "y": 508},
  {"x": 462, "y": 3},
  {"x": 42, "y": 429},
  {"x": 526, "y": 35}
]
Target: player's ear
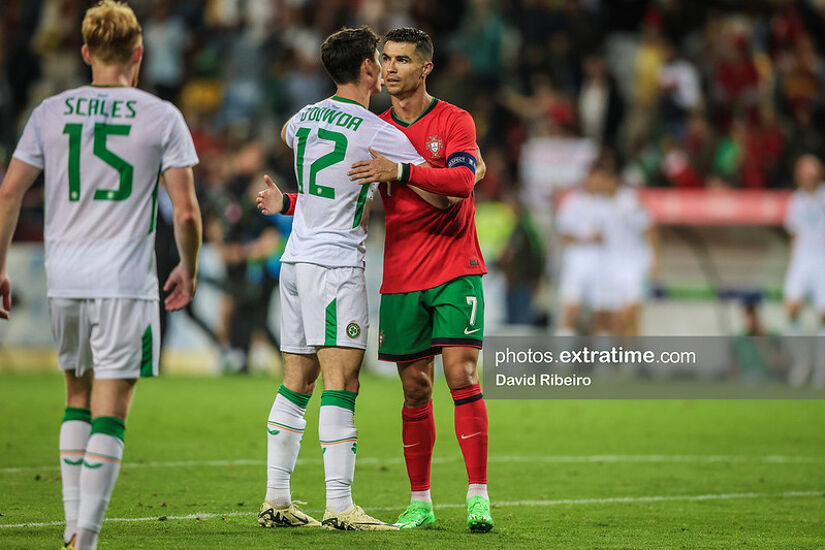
[
  {"x": 137, "y": 55},
  {"x": 84, "y": 52},
  {"x": 426, "y": 69}
]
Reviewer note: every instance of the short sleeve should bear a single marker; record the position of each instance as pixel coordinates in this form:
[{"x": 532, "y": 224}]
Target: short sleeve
[
  {"x": 30, "y": 147},
  {"x": 462, "y": 137},
  {"x": 289, "y": 135},
  {"x": 178, "y": 148},
  {"x": 461, "y": 142},
  {"x": 393, "y": 144}
]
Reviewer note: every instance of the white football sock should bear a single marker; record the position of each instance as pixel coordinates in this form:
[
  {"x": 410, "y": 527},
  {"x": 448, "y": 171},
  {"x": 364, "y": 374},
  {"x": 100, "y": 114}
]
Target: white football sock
[
  {"x": 477, "y": 490},
  {"x": 285, "y": 429},
  {"x": 339, "y": 443},
  {"x": 74, "y": 435},
  {"x": 421, "y": 496},
  {"x": 101, "y": 465}
]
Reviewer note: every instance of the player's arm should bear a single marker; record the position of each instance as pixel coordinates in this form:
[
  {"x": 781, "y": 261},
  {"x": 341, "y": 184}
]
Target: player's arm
[
  {"x": 19, "y": 178},
  {"x": 180, "y": 183},
  {"x": 443, "y": 202},
  {"x": 271, "y": 200},
  {"x": 456, "y": 180},
  {"x": 283, "y": 133}
]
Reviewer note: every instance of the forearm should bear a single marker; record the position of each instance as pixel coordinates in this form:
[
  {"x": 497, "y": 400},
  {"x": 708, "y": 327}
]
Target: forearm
[
  {"x": 437, "y": 201},
  {"x": 19, "y": 177},
  {"x": 188, "y": 236},
  {"x": 9, "y": 213},
  {"x": 451, "y": 182}
]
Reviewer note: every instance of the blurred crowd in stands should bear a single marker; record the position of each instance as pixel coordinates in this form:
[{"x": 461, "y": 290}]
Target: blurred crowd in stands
[{"x": 687, "y": 93}]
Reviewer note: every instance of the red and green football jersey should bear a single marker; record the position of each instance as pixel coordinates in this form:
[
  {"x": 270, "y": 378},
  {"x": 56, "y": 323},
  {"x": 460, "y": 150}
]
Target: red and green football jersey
[{"x": 425, "y": 247}]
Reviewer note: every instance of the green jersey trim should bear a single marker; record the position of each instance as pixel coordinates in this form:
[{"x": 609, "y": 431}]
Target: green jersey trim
[
  {"x": 419, "y": 117},
  {"x": 346, "y": 100}
]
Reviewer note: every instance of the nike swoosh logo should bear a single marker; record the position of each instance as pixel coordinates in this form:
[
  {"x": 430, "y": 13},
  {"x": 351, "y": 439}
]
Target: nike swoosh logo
[
  {"x": 408, "y": 446},
  {"x": 467, "y": 331},
  {"x": 93, "y": 466},
  {"x": 469, "y": 436},
  {"x": 273, "y": 432},
  {"x": 77, "y": 462}
]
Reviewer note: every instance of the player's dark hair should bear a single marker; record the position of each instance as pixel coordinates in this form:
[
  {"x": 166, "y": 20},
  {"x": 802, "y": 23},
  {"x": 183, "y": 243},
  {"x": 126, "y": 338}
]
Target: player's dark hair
[
  {"x": 343, "y": 52},
  {"x": 423, "y": 42}
]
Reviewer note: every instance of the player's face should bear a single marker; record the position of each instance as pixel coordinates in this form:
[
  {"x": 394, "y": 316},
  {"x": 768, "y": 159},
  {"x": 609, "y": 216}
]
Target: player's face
[
  {"x": 404, "y": 71},
  {"x": 808, "y": 173}
]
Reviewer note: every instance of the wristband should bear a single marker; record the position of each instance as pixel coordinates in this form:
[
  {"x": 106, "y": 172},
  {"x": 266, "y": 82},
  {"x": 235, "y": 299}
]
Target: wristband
[
  {"x": 286, "y": 204},
  {"x": 400, "y": 172}
]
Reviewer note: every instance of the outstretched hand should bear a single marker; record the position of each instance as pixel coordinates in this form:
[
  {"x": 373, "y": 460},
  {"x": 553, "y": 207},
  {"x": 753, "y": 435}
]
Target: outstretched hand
[
  {"x": 270, "y": 201},
  {"x": 379, "y": 169},
  {"x": 5, "y": 294}
]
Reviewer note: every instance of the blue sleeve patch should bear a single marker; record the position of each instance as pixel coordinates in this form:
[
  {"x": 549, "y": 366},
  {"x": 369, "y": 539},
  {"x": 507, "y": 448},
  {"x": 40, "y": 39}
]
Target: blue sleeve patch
[{"x": 462, "y": 159}]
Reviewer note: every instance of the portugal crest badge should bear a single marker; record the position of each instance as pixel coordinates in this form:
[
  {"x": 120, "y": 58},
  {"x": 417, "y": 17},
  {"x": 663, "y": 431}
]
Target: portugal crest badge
[{"x": 434, "y": 145}]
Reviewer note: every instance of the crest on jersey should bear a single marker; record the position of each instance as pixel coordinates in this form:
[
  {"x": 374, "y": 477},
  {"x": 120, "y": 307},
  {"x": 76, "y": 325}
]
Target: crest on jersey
[
  {"x": 353, "y": 330},
  {"x": 434, "y": 145}
]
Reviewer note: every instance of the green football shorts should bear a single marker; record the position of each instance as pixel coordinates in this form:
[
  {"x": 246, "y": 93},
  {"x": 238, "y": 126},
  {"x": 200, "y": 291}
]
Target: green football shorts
[{"x": 414, "y": 325}]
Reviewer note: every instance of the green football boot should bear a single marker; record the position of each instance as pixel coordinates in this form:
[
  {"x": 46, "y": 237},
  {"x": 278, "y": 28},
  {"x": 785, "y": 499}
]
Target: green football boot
[
  {"x": 417, "y": 514},
  {"x": 478, "y": 515}
]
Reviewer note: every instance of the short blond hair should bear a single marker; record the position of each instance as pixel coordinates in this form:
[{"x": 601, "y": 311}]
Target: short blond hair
[{"x": 111, "y": 31}]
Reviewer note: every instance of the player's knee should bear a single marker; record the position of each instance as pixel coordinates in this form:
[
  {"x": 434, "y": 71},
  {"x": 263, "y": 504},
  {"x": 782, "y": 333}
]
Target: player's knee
[
  {"x": 418, "y": 390},
  {"x": 460, "y": 374}
]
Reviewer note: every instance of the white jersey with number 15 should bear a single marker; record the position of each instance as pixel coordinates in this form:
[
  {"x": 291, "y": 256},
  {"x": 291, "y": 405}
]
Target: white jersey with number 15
[{"x": 102, "y": 150}]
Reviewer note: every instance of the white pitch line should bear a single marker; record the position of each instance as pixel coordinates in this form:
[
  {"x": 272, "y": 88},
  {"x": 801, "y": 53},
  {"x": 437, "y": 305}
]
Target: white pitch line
[
  {"x": 504, "y": 504},
  {"x": 371, "y": 460}
]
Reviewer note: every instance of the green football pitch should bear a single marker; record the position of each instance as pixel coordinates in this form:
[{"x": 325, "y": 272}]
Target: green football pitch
[{"x": 562, "y": 474}]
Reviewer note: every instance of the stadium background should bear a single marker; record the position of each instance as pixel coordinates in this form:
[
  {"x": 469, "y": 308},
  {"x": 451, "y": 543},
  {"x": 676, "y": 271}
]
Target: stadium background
[{"x": 706, "y": 104}]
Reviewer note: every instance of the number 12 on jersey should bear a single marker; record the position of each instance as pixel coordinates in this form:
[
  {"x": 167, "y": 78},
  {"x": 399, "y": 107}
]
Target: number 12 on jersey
[{"x": 333, "y": 157}]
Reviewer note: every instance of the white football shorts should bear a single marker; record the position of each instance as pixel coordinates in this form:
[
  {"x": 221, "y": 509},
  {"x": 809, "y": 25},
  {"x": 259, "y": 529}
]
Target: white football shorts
[
  {"x": 622, "y": 283},
  {"x": 117, "y": 337},
  {"x": 323, "y": 306},
  {"x": 579, "y": 279},
  {"x": 806, "y": 279}
]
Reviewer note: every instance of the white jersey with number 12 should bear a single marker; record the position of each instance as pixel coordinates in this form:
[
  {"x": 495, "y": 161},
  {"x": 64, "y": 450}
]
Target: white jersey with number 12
[{"x": 330, "y": 226}]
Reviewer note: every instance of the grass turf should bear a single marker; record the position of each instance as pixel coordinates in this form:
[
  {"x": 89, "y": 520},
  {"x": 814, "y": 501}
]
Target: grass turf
[{"x": 563, "y": 474}]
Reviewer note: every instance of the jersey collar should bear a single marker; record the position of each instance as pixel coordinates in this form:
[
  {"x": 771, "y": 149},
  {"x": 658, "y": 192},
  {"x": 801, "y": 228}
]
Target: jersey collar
[
  {"x": 419, "y": 117},
  {"x": 345, "y": 100}
]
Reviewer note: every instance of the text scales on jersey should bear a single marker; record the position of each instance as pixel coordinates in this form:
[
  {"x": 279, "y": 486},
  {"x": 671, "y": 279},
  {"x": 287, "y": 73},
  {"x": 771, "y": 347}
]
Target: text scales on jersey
[
  {"x": 102, "y": 151},
  {"x": 331, "y": 215}
]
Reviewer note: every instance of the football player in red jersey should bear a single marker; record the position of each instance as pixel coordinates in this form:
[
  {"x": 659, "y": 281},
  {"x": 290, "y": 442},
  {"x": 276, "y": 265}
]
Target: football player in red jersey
[{"x": 431, "y": 296}]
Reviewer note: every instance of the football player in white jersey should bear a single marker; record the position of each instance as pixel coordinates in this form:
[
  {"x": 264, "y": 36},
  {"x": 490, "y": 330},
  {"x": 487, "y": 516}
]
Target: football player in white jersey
[
  {"x": 103, "y": 149},
  {"x": 579, "y": 223},
  {"x": 805, "y": 277},
  {"x": 324, "y": 317},
  {"x": 627, "y": 253}
]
